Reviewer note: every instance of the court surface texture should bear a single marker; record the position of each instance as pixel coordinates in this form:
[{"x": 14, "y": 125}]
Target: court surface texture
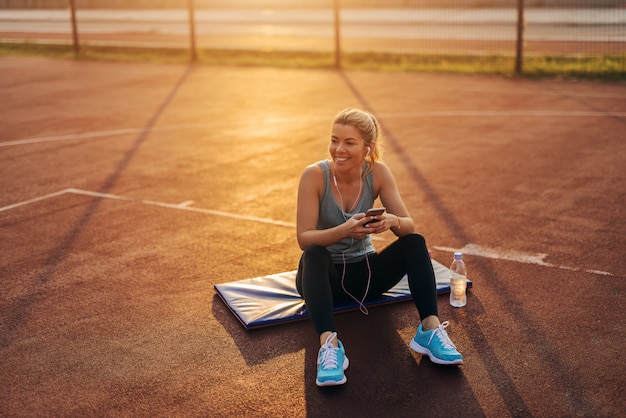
[{"x": 130, "y": 189}]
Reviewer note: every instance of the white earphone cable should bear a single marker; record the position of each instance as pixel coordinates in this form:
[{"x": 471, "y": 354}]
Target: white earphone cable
[{"x": 361, "y": 302}]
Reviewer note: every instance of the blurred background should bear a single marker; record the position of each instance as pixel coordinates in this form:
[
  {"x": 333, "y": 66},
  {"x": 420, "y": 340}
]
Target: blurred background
[{"x": 531, "y": 36}]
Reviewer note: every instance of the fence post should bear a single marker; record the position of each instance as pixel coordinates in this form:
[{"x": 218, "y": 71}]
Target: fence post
[
  {"x": 520, "y": 37},
  {"x": 74, "y": 27},
  {"x": 337, "y": 34},
  {"x": 192, "y": 30}
]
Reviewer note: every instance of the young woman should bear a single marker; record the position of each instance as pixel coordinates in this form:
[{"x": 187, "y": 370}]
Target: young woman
[{"x": 339, "y": 261}]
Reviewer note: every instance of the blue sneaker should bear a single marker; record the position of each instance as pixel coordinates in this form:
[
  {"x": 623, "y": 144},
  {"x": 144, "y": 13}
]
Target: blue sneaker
[
  {"x": 331, "y": 362},
  {"x": 436, "y": 344}
]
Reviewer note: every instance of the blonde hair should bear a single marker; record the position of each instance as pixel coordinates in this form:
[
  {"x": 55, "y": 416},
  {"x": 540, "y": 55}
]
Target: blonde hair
[{"x": 369, "y": 128}]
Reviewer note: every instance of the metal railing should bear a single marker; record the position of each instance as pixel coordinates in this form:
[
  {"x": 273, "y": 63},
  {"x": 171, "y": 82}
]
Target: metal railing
[{"x": 508, "y": 27}]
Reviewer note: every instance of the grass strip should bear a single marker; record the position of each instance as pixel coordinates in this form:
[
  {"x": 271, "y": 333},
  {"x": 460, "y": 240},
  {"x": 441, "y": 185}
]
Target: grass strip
[{"x": 588, "y": 67}]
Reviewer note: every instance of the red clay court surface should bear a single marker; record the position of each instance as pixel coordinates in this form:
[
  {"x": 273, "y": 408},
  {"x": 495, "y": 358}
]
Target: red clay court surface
[{"x": 125, "y": 195}]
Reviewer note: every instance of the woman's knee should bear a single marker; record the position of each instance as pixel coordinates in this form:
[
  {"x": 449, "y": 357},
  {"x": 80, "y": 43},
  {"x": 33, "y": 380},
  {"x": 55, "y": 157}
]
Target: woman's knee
[
  {"x": 416, "y": 240},
  {"x": 316, "y": 252}
]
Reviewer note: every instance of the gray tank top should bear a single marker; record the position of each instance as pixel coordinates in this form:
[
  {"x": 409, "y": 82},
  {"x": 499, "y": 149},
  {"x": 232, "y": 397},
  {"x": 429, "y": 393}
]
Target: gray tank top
[{"x": 331, "y": 215}]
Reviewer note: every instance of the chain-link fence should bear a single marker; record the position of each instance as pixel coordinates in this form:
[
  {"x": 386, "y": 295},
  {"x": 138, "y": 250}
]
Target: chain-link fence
[{"x": 382, "y": 32}]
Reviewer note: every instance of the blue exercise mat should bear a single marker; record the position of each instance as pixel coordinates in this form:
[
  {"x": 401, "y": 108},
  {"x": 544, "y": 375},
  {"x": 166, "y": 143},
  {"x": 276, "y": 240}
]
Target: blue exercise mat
[{"x": 273, "y": 299}]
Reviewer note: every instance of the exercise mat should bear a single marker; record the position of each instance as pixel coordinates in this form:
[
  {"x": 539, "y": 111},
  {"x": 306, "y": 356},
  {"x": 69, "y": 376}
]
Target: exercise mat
[{"x": 273, "y": 299}]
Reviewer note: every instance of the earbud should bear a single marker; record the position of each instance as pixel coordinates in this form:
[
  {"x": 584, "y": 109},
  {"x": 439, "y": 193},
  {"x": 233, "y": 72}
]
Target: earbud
[{"x": 368, "y": 151}]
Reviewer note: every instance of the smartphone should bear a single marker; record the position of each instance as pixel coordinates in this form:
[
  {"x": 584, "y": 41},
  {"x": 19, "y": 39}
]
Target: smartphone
[{"x": 374, "y": 212}]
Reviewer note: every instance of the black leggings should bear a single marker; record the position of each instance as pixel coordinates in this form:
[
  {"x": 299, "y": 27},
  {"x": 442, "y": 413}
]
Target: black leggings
[{"x": 319, "y": 279}]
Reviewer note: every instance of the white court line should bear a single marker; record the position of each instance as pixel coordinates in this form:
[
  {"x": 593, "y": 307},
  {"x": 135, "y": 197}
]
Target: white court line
[
  {"x": 101, "y": 195},
  {"x": 85, "y": 135},
  {"x": 130, "y": 131},
  {"x": 503, "y": 113},
  {"x": 182, "y": 206},
  {"x": 516, "y": 256},
  {"x": 62, "y": 192},
  {"x": 36, "y": 199},
  {"x": 101, "y": 134},
  {"x": 469, "y": 249},
  {"x": 89, "y": 135},
  {"x": 455, "y": 113}
]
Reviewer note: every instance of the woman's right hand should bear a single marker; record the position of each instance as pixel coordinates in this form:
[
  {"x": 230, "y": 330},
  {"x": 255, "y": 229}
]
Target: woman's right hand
[{"x": 355, "y": 226}]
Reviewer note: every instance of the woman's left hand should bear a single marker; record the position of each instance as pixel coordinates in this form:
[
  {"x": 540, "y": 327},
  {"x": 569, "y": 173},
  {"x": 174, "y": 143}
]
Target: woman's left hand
[{"x": 385, "y": 222}]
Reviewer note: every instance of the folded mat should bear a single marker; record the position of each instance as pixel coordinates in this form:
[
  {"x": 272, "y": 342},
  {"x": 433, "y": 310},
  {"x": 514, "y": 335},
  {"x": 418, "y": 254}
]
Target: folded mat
[{"x": 273, "y": 299}]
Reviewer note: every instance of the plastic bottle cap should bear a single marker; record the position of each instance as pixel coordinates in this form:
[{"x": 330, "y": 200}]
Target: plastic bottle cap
[{"x": 458, "y": 256}]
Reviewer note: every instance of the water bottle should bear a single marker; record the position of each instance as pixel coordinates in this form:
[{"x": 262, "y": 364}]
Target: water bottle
[{"x": 458, "y": 281}]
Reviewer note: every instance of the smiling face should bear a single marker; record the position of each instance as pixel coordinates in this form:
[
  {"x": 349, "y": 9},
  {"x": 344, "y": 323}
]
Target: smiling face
[
  {"x": 354, "y": 140},
  {"x": 347, "y": 147}
]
